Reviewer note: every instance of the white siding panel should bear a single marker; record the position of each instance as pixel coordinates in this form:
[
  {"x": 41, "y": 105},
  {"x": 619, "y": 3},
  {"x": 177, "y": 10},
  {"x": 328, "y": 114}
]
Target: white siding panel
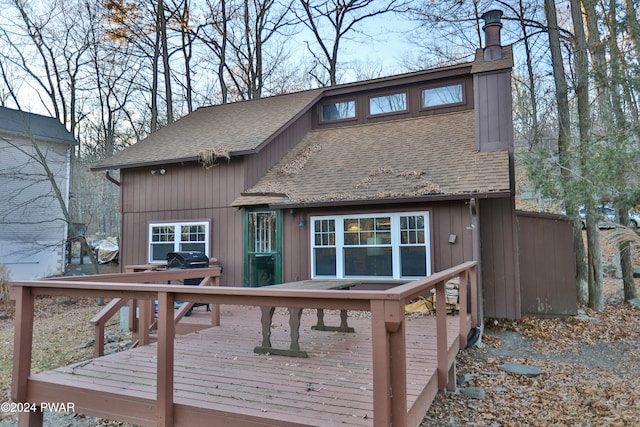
[{"x": 32, "y": 223}]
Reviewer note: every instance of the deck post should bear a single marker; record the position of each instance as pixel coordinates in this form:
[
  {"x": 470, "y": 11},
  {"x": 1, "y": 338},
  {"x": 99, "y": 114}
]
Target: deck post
[
  {"x": 215, "y": 308},
  {"x": 473, "y": 280},
  {"x": 31, "y": 418},
  {"x": 462, "y": 304},
  {"x": 145, "y": 308},
  {"x": 389, "y": 363},
  {"x": 166, "y": 335},
  {"x": 381, "y": 368},
  {"x": 441, "y": 328},
  {"x": 395, "y": 327},
  {"x": 22, "y": 343}
]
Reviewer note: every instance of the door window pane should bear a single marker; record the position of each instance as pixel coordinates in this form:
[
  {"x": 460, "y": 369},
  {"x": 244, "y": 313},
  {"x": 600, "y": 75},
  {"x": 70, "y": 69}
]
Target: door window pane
[
  {"x": 262, "y": 270},
  {"x": 262, "y": 231}
]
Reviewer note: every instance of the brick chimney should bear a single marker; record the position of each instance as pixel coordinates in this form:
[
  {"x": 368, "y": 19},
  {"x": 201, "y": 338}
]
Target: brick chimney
[{"x": 492, "y": 27}]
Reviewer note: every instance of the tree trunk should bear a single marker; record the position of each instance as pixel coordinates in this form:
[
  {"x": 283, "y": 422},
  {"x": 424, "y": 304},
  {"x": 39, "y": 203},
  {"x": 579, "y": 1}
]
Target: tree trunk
[
  {"x": 594, "y": 271},
  {"x": 620, "y": 139},
  {"x": 594, "y": 257},
  {"x": 564, "y": 150},
  {"x": 165, "y": 61},
  {"x": 154, "y": 79}
]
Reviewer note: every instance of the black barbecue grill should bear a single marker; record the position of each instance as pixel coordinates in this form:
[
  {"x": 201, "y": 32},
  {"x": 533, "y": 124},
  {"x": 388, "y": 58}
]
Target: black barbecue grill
[{"x": 187, "y": 260}]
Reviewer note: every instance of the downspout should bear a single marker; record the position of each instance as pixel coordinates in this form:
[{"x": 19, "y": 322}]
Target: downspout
[
  {"x": 475, "y": 337},
  {"x": 111, "y": 179}
]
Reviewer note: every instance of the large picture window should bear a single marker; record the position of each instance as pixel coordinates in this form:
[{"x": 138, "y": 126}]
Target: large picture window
[
  {"x": 389, "y": 246},
  {"x": 177, "y": 237}
]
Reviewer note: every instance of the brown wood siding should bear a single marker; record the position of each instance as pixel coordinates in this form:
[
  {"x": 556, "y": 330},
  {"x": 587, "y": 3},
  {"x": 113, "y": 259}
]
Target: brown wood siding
[
  {"x": 494, "y": 124},
  {"x": 295, "y": 246},
  {"x": 414, "y": 100},
  {"x": 185, "y": 192},
  {"x": 498, "y": 257},
  {"x": 451, "y": 218},
  {"x": 547, "y": 264},
  {"x": 259, "y": 164}
]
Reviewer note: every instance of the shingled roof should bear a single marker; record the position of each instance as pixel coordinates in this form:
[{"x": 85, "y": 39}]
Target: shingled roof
[
  {"x": 43, "y": 128},
  {"x": 412, "y": 158},
  {"x": 236, "y": 128}
]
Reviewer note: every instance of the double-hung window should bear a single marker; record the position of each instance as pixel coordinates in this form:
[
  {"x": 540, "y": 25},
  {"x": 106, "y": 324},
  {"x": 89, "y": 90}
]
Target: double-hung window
[
  {"x": 388, "y": 245},
  {"x": 177, "y": 237}
]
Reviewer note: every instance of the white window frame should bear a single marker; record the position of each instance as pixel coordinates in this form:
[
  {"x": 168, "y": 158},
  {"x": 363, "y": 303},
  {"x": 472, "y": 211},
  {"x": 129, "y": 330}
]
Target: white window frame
[
  {"x": 178, "y": 234},
  {"x": 396, "y": 244}
]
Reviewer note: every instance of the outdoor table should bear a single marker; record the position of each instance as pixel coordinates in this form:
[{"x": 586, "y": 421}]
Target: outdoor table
[{"x": 296, "y": 313}]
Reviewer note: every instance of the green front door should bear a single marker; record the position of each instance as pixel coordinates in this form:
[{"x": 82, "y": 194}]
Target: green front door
[{"x": 263, "y": 247}]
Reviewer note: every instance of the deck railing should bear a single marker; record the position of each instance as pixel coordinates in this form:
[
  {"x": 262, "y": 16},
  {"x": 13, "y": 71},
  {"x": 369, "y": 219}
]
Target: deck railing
[
  {"x": 387, "y": 328},
  {"x": 141, "y": 326}
]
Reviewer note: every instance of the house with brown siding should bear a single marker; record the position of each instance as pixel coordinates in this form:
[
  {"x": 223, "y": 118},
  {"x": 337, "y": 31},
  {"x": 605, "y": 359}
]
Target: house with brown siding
[{"x": 384, "y": 180}]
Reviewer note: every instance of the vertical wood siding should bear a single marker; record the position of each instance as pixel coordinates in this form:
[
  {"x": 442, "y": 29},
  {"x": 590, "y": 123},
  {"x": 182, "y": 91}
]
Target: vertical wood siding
[
  {"x": 499, "y": 258},
  {"x": 451, "y": 218},
  {"x": 185, "y": 192},
  {"x": 296, "y": 251},
  {"x": 547, "y": 264},
  {"x": 494, "y": 124}
]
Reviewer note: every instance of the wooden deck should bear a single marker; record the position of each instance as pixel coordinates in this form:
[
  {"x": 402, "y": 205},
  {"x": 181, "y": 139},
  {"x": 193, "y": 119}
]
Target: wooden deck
[
  {"x": 217, "y": 372},
  {"x": 387, "y": 372}
]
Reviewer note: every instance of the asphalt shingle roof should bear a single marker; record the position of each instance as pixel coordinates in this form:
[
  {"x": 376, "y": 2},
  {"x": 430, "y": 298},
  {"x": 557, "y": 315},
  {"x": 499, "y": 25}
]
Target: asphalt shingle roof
[
  {"x": 434, "y": 155},
  {"x": 236, "y": 128},
  {"x": 20, "y": 123}
]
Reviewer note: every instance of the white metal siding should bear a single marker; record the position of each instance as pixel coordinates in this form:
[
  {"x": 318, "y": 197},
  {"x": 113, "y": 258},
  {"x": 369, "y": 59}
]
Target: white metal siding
[{"x": 31, "y": 218}]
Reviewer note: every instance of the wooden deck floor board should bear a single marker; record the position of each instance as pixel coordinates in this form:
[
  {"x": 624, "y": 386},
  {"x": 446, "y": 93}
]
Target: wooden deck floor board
[{"x": 217, "y": 372}]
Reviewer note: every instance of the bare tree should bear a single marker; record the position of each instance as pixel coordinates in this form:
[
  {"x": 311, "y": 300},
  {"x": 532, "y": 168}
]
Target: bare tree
[
  {"x": 332, "y": 21},
  {"x": 624, "y": 146},
  {"x": 564, "y": 146},
  {"x": 594, "y": 271},
  {"x": 250, "y": 38}
]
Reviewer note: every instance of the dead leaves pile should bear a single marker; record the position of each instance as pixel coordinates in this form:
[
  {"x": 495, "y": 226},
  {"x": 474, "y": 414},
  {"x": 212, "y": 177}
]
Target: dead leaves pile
[
  {"x": 620, "y": 322},
  {"x": 592, "y": 374}
]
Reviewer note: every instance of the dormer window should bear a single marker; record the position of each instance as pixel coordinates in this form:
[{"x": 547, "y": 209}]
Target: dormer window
[
  {"x": 442, "y": 95},
  {"x": 385, "y": 104},
  {"x": 339, "y": 111}
]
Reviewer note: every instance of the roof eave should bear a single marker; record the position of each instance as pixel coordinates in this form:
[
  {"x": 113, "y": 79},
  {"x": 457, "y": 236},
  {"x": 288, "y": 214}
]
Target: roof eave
[
  {"x": 413, "y": 199},
  {"x": 41, "y": 138},
  {"x": 181, "y": 160}
]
